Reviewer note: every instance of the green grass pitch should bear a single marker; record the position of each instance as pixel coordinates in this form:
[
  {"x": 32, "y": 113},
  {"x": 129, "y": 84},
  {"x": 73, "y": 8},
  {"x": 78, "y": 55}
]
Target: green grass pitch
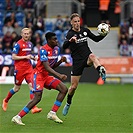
[{"x": 95, "y": 109}]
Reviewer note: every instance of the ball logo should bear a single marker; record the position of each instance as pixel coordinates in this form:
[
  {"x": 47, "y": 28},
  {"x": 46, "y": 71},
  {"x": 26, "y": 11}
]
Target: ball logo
[{"x": 85, "y": 33}]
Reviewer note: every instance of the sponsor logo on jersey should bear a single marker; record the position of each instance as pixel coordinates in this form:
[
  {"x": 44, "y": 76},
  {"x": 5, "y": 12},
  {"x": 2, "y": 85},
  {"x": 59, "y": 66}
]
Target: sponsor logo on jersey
[
  {"x": 84, "y": 39},
  {"x": 26, "y": 49},
  {"x": 52, "y": 57}
]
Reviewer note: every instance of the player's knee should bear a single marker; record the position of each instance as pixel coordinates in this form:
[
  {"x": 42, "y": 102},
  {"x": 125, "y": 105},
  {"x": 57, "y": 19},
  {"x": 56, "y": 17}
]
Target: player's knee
[
  {"x": 65, "y": 90},
  {"x": 16, "y": 88},
  {"x": 37, "y": 99},
  {"x": 62, "y": 88}
]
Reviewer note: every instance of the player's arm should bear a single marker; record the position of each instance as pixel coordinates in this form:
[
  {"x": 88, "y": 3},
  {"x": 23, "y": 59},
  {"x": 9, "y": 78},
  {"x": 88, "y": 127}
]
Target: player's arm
[
  {"x": 53, "y": 72},
  {"x": 94, "y": 37},
  {"x": 68, "y": 40},
  {"x": 63, "y": 59},
  {"x": 28, "y": 57},
  {"x": 44, "y": 60},
  {"x": 15, "y": 52}
]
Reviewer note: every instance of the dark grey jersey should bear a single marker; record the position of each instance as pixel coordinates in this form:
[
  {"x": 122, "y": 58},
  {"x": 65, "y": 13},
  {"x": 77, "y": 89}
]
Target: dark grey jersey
[{"x": 80, "y": 49}]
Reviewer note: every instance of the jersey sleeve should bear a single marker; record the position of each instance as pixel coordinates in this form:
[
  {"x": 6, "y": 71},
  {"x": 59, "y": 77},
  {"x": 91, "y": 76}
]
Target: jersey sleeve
[
  {"x": 16, "y": 48},
  {"x": 66, "y": 43},
  {"x": 56, "y": 50},
  {"x": 94, "y": 37},
  {"x": 43, "y": 55}
]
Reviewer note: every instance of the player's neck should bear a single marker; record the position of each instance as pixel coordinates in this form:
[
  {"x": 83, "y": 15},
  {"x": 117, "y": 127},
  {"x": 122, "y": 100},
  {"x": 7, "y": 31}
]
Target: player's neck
[
  {"x": 25, "y": 40},
  {"x": 77, "y": 30}
]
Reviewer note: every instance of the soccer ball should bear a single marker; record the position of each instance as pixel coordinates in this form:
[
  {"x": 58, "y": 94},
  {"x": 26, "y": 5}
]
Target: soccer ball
[{"x": 103, "y": 29}]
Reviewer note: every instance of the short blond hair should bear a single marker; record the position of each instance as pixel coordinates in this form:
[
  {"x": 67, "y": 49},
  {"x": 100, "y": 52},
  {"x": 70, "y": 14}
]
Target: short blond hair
[
  {"x": 74, "y": 15},
  {"x": 25, "y": 29}
]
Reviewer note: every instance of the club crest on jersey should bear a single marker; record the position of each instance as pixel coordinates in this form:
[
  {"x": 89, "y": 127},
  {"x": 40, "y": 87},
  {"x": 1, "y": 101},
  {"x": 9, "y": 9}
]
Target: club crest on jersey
[
  {"x": 56, "y": 51},
  {"x": 38, "y": 86},
  {"x": 85, "y": 33}
]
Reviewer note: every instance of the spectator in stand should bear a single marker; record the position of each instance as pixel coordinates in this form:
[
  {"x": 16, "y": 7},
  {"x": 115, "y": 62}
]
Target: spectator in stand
[
  {"x": 37, "y": 39},
  {"x": 39, "y": 24},
  {"x": 104, "y": 8},
  {"x": 19, "y": 5},
  {"x": 7, "y": 38},
  {"x": 8, "y": 27},
  {"x": 10, "y": 5},
  {"x": 17, "y": 28},
  {"x": 7, "y": 48},
  {"x": 131, "y": 40},
  {"x": 121, "y": 38},
  {"x": 1, "y": 45},
  {"x": 131, "y": 49},
  {"x": 130, "y": 20},
  {"x": 66, "y": 24},
  {"x": 124, "y": 28},
  {"x": 130, "y": 31},
  {"x": 29, "y": 4},
  {"x": 1, "y": 48},
  {"x": 29, "y": 18},
  {"x": 117, "y": 10},
  {"x": 37, "y": 48},
  {"x": 67, "y": 51},
  {"x": 31, "y": 26},
  {"x": 15, "y": 38},
  {"x": 59, "y": 23},
  {"x": 11, "y": 18},
  {"x": 124, "y": 49}
]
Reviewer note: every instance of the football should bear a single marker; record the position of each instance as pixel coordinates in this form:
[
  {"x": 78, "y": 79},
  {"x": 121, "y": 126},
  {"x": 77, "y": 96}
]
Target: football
[{"x": 103, "y": 29}]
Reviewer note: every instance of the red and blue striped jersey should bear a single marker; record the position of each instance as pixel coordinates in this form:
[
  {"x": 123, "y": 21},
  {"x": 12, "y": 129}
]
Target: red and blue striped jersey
[
  {"x": 47, "y": 54},
  {"x": 22, "y": 48}
]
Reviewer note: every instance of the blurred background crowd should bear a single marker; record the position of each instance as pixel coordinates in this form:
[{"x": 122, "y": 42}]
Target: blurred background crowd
[{"x": 34, "y": 14}]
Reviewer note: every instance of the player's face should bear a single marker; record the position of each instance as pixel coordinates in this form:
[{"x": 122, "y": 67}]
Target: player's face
[
  {"x": 26, "y": 35},
  {"x": 75, "y": 22},
  {"x": 53, "y": 41}
]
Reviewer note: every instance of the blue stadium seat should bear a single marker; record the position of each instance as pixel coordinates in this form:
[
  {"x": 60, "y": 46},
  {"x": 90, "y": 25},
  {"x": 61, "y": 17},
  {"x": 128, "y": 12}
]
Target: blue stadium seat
[
  {"x": 1, "y": 15},
  {"x": 21, "y": 23},
  {"x": 40, "y": 32},
  {"x": 2, "y": 6},
  {"x": 1, "y": 32},
  {"x": 8, "y": 14},
  {"x": 65, "y": 33},
  {"x": 1, "y": 22},
  {"x": 19, "y": 16},
  {"x": 48, "y": 26},
  {"x": 59, "y": 36}
]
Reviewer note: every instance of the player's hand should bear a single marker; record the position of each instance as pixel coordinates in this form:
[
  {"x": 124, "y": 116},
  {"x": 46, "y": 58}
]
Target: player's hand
[
  {"x": 64, "y": 59},
  {"x": 63, "y": 77},
  {"x": 73, "y": 39},
  {"x": 30, "y": 57}
]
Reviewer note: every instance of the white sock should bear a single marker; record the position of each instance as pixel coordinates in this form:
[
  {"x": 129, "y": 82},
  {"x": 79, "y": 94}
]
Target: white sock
[{"x": 52, "y": 112}]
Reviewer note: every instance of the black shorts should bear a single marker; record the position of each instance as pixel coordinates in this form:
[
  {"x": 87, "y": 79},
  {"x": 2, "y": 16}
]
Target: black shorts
[{"x": 78, "y": 67}]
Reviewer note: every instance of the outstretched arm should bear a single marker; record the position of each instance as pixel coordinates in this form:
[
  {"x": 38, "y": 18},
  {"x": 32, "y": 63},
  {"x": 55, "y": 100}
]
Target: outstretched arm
[
  {"x": 15, "y": 57},
  {"x": 53, "y": 72},
  {"x": 63, "y": 59},
  {"x": 94, "y": 37}
]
